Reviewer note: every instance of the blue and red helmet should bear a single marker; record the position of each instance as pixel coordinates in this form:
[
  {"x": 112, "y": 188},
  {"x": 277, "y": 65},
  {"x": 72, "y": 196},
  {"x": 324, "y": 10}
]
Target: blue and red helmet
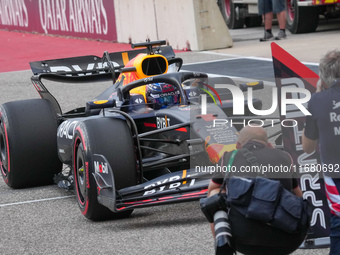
[{"x": 163, "y": 94}]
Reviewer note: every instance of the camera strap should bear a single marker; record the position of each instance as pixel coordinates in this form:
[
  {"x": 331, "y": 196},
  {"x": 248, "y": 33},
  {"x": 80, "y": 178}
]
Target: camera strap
[{"x": 230, "y": 163}]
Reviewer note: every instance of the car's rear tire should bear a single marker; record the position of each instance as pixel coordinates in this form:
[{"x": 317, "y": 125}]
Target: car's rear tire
[
  {"x": 28, "y": 143},
  {"x": 112, "y": 139}
]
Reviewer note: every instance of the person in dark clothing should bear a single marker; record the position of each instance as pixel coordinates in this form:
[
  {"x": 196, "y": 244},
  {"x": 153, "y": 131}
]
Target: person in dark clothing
[
  {"x": 322, "y": 129},
  {"x": 250, "y": 236}
]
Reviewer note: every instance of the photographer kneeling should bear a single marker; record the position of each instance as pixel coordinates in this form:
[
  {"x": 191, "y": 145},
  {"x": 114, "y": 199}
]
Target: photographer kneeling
[{"x": 255, "y": 212}]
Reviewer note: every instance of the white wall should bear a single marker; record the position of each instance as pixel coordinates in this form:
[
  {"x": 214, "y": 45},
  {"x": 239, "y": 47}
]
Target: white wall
[
  {"x": 185, "y": 24},
  {"x": 175, "y": 21}
]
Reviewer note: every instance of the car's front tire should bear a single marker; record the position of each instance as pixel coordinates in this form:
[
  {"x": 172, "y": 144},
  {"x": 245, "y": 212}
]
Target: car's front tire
[{"x": 112, "y": 139}]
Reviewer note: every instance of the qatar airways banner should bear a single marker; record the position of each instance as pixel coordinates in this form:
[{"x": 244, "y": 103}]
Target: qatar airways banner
[{"x": 93, "y": 19}]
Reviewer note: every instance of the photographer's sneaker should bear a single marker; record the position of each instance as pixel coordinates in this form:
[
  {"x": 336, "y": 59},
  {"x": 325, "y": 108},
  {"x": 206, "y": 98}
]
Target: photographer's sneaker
[
  {"x": 281, "y": 35},
  {"x": 267, "y": 37}
]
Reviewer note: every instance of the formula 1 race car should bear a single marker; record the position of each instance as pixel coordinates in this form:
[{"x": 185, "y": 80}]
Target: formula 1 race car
[{"x": 145, "y": 140}]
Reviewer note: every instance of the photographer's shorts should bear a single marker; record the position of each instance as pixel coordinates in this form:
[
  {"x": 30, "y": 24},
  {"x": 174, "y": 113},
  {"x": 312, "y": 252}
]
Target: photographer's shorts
[{"x": 275, "y": 6}]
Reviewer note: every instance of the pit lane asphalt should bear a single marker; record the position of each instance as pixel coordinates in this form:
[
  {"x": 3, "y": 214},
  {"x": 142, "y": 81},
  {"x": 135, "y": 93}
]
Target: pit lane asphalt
[{"x": 46, "y": 220}]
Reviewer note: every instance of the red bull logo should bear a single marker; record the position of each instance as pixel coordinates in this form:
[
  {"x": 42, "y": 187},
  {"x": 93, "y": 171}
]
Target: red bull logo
[{"x": 128, "y": 77}]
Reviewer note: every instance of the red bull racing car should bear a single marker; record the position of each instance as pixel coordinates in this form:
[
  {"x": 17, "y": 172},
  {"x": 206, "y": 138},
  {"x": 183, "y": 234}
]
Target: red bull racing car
[{"x": 146, "y": 140}]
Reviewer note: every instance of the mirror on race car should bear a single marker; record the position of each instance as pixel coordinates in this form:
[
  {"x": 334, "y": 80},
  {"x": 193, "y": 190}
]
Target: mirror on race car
[
  {"x": 255, "y": 85},
  {"x": 175, "y": 64},
  {"x": 100, "y": 104}
]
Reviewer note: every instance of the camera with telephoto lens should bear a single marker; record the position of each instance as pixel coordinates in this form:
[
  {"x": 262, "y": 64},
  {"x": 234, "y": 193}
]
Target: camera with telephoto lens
[
  {"x": 210, "y": 205},
  {"x": 223, "y": 236}
]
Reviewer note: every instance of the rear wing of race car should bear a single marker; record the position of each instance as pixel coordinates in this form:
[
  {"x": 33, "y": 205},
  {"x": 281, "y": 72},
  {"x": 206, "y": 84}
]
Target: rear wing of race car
[
  {"x": 91, "y": 65},
  {"x": 90, "y": 68}
]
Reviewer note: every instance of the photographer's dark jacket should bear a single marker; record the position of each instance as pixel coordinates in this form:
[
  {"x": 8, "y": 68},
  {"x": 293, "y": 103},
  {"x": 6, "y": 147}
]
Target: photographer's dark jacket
[{"x": 324, "y": 125}]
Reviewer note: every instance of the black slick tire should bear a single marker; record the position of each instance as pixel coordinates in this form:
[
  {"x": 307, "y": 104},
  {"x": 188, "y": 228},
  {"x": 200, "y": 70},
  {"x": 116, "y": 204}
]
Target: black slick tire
[
  {"x": 112, "y": 139},
  {"x": 28, "y": 143}
]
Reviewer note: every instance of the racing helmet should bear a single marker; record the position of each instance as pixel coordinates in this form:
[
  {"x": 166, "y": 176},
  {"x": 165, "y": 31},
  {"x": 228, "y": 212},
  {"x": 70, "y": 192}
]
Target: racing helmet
[{"x": 162, "y": 95}]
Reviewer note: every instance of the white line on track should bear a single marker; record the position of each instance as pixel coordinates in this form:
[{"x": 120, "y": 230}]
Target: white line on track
[
  {"x": 247, "y": 57},
  {"x": 35, "y": 201},
  {"x": 235, "y": 57},
  {"x": 239, "y": 79},
  {"x": 211, "y": 61}
]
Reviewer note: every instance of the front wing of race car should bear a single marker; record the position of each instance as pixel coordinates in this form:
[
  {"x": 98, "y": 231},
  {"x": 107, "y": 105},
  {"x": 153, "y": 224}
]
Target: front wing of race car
[{"x": 176, "y": 187}]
